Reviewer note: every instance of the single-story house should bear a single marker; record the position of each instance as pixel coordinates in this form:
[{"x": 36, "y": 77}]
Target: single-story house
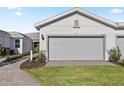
[
  {"x": 79, "y": 35},
  {"x": 21, "y": 42},
  {"x": 5, "y": 39},
  {"x": 35, "y": 38},
  {"x": 15, "y": 41}
]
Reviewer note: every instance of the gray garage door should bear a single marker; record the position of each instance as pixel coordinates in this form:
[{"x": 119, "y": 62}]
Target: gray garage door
[
  {"x": 76, "y": 48},
  {"x": 120, "y": 43}
]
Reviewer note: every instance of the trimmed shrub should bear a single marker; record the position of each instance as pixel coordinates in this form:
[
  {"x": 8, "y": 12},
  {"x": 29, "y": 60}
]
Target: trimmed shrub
[
  {"x": 2, "y": 51},
  {"x": 114, "y": 54},
  {"x": 40, "y": 57},
  {"x": 10, "y": 58}
]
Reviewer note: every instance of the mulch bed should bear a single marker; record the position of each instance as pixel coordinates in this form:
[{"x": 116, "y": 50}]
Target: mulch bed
[
  {"x": 117, "y": 63},
  {"x": 31, "y": 64}
]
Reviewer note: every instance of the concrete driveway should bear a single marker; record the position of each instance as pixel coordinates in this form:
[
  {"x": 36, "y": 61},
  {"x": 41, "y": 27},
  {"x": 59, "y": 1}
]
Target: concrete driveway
[
  {"x": 12, "y": 75},
  {"x": 77, "y": 63}
]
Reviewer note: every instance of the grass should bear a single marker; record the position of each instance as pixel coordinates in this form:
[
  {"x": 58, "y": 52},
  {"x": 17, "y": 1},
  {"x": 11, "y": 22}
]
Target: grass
[{"x": 79, "y": 76}]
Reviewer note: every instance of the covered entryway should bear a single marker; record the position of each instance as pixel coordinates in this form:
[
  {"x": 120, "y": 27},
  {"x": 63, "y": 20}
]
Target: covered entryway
[
  {"x": 76, "y": 47},
  {"x": 120, "y": 43}
]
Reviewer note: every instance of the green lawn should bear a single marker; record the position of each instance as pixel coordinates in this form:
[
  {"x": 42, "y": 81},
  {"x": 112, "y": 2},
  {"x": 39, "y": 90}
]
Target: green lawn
[{"x": 83, "y": 75}]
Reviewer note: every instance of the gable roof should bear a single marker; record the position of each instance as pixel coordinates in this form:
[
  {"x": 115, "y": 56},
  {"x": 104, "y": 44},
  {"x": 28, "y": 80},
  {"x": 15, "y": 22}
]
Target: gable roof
[
  {"x": 17, "y": 34},
  {"x": 80, "y": 11}
]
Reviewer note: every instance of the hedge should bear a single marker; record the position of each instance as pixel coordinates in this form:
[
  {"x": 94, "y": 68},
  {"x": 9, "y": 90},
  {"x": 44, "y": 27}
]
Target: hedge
[{"x": 10, "y": 58}]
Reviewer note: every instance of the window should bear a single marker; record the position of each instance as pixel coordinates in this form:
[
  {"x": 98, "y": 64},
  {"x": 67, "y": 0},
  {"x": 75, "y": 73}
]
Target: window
[
  {"x": 17, "y": 43},
  {"x": 76, "y": 24}
]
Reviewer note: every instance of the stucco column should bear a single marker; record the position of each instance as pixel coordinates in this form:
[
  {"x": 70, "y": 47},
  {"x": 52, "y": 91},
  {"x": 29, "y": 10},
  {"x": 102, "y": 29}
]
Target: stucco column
[
  {"x": 40, "y": 43},
  {"x": 21, "y": 45},
  {"x": 44, "y": 44},
  {"x": 109, "y": 44}
]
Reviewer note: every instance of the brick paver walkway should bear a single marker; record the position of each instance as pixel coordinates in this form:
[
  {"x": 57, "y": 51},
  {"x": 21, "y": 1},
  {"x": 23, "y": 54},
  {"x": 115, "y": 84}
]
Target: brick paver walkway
[{"x": 12, "y": 75}]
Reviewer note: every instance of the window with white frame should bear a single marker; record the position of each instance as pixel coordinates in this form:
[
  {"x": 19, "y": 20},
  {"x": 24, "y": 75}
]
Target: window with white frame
[{"x": 17, "y": 43}]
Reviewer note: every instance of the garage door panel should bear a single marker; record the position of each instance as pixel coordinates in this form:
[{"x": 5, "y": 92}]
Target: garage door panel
[{"x": 76, "y": 48}]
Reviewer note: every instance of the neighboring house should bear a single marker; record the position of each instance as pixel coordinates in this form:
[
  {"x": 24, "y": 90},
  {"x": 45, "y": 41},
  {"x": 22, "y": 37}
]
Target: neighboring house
[
  {"x": 15, "y": 41},
  {"x": 5, "y": 40},
  {"x": 35, "y": 38},
  {"x": 21, "y": 42},
  {"x": 79, "y": 35}
]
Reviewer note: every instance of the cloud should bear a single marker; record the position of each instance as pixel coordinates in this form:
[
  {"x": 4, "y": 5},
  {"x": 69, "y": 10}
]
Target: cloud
[
  {"x": 18, "y": 13},
  {"x": 116, "y": 11},
  {"x": 16, "y": 8},
  {"x": 10, "y": 8}
]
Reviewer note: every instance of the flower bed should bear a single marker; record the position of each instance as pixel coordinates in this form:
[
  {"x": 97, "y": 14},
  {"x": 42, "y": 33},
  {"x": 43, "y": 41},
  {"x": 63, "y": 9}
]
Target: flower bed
[
  {"x": 117, "y": 63},
  {"x": 115, "y": 56},
  {"x": 31, "y": 64},
  {"x": 38, "y": 61}
]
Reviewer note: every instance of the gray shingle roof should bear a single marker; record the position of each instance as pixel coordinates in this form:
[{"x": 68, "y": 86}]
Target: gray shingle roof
[
  {"x": 34, "y": 35},
  {"x": 17, "y": 34},
  {"x": 4, "y": 33}
]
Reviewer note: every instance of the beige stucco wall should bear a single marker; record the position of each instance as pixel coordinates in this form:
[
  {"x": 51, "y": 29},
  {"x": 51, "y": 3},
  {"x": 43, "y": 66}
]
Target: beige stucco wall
[
  {"x": 5, "y": 41},
  {"x": 27, "y": 44},
  {"x": 87, "y": 27},
  {"x": 8, "y": 42}
]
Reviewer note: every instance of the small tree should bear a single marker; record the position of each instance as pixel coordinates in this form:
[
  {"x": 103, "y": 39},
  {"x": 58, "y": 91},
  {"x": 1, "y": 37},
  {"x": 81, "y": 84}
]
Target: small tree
[{"x": 114, "y": 54}]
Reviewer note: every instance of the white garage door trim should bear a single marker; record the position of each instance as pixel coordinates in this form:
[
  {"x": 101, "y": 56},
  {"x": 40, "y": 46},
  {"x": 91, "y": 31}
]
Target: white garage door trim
[{"x": 80, "y": 36}]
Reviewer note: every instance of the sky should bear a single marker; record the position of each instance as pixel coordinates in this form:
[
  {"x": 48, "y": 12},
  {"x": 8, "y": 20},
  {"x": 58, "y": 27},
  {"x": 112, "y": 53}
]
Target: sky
[{"x": 22, "y": 19}]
